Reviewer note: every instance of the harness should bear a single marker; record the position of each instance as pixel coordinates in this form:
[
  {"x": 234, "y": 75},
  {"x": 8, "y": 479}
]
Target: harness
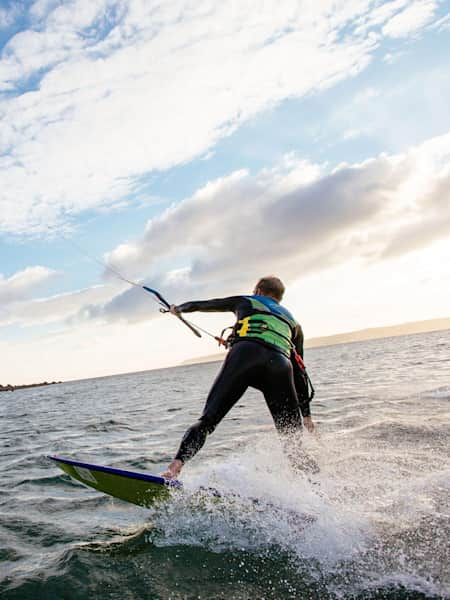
[
  {"x": 272, "y": 328},
  {"x": 268, "y": 327}
]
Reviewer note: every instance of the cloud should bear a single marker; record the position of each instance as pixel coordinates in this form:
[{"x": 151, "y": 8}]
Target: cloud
[
  {"x": 240, "y": 227},
  {"x": 410, "y": 20},
  {"x": 101, "y": 93},
  {"x": 23, "y": 284},
  {"x": 21, "y": 303},
  {"x": 58, "y": 308},
  {"x": 378, "y": 113},
  {"x": 296, "y": 219},
  {"x": 8, "y": 15},
  {"x": 443, "y": 23},
  {"x": 428, "y": 225},
  {"x": 392, "y": 57},
  {"x": 379, "y": 15}
]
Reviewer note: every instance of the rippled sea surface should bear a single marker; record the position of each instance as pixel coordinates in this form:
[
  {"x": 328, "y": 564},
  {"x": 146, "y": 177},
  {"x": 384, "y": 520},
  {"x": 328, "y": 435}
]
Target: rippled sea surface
[{"x": 379, "y": 506}]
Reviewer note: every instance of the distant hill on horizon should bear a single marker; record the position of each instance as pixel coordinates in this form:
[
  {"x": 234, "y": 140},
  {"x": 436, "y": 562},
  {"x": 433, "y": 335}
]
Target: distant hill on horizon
[
  {"x": 372, "y": 333},
  {"x": 359, "y": 335}
]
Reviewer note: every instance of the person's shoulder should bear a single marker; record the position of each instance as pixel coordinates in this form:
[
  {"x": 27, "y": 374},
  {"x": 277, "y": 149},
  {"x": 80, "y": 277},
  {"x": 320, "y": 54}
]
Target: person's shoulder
[
  {"x": 287, "y": 312},
  {"x": 275, "y": 307},
  {"x": 295, "y": 324}
]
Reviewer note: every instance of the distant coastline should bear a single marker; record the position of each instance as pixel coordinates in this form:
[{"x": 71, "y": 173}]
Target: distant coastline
[
  {"x": 360, "y": 335},
  {"x": 11, "y": 388},
  {"x": 373, "y": 333}
]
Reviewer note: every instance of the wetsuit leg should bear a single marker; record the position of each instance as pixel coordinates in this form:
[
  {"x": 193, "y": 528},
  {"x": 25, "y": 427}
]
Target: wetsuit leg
[
  {"x": 233, "y": 379},
  {"x": 278, "y": 388}
]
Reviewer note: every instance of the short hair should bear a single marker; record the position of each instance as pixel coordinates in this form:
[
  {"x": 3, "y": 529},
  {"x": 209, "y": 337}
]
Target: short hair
[{"x": 271, "y": 286}]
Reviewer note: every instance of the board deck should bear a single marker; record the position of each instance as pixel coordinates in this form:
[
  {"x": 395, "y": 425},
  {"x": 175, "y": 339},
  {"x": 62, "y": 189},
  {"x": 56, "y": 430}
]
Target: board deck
[
  {"x": 139, "y": 488},
  {"x": 144, "y": 489}
]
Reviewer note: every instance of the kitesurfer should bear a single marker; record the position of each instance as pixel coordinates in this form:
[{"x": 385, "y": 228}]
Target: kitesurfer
[{"x": 263, "y": 347}]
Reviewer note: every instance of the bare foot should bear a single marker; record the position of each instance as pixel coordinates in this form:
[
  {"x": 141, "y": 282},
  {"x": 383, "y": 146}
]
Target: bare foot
[{"x": 173, "y": 470}]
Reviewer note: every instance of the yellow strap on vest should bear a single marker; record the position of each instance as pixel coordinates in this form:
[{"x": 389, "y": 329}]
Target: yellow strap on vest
[{"x": 242, "y": 331}]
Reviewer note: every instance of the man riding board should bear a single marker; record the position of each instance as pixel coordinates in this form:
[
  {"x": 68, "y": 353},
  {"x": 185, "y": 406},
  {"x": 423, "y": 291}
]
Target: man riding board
[{"x": 266, "y": 353}]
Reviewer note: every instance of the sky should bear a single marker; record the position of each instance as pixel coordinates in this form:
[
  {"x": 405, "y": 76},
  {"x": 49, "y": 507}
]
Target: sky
[{"x": 196, "y": 145}]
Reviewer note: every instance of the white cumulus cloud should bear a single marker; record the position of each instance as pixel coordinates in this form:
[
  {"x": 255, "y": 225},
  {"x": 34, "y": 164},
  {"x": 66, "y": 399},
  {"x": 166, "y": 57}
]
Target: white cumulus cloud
[
  {"x": 411, "y": 19},
  {"x": 296, "y": 220},
  {"x": 102, "y": 92},
  {"x": 23, "y": 284},
  {"x": 52, "y": 309},
  {"x": 240, "y": 227}
]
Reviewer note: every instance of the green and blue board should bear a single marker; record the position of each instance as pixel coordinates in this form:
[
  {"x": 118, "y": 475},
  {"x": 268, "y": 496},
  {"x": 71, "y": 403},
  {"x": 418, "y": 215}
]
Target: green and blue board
[{"x": 138, "y": 488}]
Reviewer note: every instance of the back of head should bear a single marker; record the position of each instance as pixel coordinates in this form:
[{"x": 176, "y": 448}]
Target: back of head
[{"x": 270, "y": 286}]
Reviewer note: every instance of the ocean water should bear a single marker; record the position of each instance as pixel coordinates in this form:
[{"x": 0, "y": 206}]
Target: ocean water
[{"x": 378, "y": 510}]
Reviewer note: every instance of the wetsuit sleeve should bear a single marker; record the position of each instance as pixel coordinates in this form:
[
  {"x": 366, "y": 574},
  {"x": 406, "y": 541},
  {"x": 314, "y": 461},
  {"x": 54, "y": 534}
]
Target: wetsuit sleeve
[
  {"x": 301, "y": 387},
  {"x": 301, "y": 383},
  {"x": 229, "y": 304},
  {"x": 297, "y": 339}
]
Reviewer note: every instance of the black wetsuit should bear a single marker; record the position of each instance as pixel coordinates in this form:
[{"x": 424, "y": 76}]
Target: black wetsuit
[{"x": 250, "y": 362}]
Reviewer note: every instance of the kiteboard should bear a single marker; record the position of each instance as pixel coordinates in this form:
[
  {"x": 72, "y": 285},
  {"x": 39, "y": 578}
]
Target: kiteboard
[
  {"x": 144, "y": 489},
  {"x": 139, "y": 488}
]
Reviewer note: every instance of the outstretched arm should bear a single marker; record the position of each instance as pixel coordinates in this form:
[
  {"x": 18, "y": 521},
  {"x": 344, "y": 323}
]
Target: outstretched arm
[{"x": 229, "y": 304}]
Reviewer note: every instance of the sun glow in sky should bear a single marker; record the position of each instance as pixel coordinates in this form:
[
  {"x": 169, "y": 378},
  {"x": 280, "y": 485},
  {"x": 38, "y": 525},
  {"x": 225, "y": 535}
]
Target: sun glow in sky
[{"x": 197, "y": 145}]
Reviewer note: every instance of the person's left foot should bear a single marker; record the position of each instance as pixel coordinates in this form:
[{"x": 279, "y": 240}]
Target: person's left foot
[{"x": 173, "y": 470}]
